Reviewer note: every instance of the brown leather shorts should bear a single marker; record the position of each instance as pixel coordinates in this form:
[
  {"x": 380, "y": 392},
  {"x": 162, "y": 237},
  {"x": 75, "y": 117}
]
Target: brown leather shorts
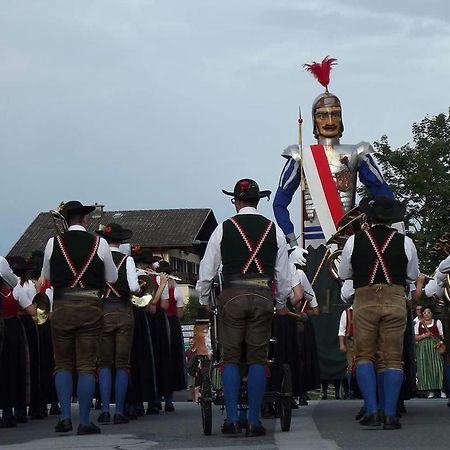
[
  {"x": 76, "y": 333},
  {"x": 245, "y": 324}
]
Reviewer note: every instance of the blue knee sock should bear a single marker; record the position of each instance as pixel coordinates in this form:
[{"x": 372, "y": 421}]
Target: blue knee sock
[
  {"x": 367, "y": 381},
  {"x": 105, "y": 382},
  {"x": 231, "y": 384},
  {"x": 256, "y": 386},
  {"x": 121, "y": 389},
  {"x": 393, "y": 380},
  {"x": 64, "y": 386},
  {"x": 381, "y": 393},
  {"x": 85, "y": 392}
]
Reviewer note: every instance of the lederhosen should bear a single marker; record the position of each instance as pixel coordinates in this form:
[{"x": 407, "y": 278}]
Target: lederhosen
[
  {"x": 77, "y": 274},
  {"x": 379, "y": 266},
  {"x": 248, "y": 249},
  {"x": 118, "y": 320}
]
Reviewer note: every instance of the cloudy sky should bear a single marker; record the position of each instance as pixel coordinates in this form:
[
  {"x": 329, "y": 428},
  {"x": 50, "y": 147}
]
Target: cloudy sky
[{"x": 141, "y": 104}]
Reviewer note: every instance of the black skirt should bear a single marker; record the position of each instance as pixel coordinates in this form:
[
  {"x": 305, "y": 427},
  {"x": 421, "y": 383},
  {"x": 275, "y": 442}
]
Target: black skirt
[
  {"x": 14, "y": 391},
  {"x": 143, "y": 384},
  {"x": 177, "y": 354},
  {"x": 46, "y": 364}
]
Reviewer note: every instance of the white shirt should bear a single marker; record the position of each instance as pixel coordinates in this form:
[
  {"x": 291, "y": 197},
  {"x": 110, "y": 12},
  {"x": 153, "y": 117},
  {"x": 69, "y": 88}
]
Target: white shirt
[
  {"x": 412, "y": 268},
  {"x": 132, "y": 277},
  {"x": 7, "y": 274},
  {"x": 103, "y": 252},
  {"x": 299, "y": 277},
  {"x": 444, "y": 266},
  {"x": 210, "y": 264},
  {"x": 347, "y": 291},
  {"x": 343, "y": 322},
  {"x": 438, "y": 325},
  {"x": 433, "y": 287}
]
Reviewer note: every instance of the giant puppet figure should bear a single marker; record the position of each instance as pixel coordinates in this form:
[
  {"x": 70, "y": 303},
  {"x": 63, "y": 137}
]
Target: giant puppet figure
[{"x": 331, "y": 170}]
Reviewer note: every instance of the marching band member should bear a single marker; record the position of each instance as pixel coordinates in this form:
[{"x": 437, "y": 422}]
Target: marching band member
[
  {"x": 380, "y": 311},
  {"x": 77, "y": 264},
  {"x": 118, "y": 324},
  {"x": 14, "y": 385},
  {"x": 252, "y": 250},
  {"x": 174, "y": 313}
]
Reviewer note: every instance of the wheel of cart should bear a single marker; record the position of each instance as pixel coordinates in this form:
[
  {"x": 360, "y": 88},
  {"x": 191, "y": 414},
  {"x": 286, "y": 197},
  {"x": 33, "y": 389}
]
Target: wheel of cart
[
  {"x": 285, "y": 398},
  {"x": 205, "y": 400}
]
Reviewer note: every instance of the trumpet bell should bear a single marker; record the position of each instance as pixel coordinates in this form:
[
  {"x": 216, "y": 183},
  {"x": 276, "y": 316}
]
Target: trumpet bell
[
  {"x": 333, "y": 263},
  {"x": 142, "y": 299},
  {"x": 42, "y": 303}
]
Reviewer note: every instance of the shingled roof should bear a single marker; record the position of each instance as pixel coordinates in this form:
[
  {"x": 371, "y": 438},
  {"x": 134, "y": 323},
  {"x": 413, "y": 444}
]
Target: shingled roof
[{"x": 153, "y": 228}]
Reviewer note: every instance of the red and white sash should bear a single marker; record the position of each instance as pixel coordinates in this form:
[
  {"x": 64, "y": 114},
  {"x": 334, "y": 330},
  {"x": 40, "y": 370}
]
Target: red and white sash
[{"x": 380, "y": 261}]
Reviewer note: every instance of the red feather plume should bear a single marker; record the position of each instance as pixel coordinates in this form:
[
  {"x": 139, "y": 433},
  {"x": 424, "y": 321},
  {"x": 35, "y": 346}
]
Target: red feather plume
[{"x": 321, "y": 71}]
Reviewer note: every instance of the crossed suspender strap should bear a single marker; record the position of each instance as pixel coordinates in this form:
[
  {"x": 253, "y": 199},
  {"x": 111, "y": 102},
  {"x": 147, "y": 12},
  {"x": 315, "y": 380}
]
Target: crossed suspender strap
[
  {"x": 110, "y": 287},
  {"x": 380, "y": 261},
  {"x": 253, "y": 248},
  {"x": 78, "y": 274}
]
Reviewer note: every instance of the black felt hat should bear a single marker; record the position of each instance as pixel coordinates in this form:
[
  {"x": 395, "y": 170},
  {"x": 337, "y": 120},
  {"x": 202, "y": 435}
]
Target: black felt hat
[
  {"x": 247, "y": 189},
  {"x": 144, "y": 255},
  {"x": 114, "y": 232},
  {"x": 74, "y": 207},
  {"x": 383, "y": 208}
]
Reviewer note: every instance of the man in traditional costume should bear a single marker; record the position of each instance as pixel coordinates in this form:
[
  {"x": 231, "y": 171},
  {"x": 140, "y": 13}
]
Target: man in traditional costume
[
  {"x": 118, "y": 324},
  {"x": 382, "y": 263},
  {"x": 78, "y": 264},
  {"x": 252, "y": 250}
]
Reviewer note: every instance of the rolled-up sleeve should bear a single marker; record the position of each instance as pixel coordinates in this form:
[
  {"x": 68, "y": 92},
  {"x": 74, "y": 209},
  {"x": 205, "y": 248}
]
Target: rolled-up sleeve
[
  {"x": 7, "y": 274},
  {"x": 345, "y": 266},
  {"x": 104, "y": 253},
  {"x": 412, "y": 268},
  {"x": 132, "y": 278}
]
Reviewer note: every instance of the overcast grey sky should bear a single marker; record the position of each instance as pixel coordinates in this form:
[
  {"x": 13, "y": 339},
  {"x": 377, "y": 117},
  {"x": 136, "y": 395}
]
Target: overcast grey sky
[{"x": 142, "y": 104}]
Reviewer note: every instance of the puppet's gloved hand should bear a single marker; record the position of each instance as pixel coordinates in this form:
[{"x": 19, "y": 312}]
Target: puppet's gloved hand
[{"x": 297, "y": 255}]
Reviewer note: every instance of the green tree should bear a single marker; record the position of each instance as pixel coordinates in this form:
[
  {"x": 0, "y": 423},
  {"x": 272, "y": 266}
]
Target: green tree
[{"x": 419, "y": 175}]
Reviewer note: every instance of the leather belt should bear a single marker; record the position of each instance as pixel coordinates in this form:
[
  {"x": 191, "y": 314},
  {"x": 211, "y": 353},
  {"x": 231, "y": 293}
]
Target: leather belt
[
  {"x": 246, "y": 282},
  {"x": 75, "y": 294},
  {"x": 116, "y": 302}
]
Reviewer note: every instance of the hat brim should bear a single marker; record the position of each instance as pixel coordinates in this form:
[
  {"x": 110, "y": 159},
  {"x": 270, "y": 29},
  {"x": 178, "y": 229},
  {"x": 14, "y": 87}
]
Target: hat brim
[
  {"x": 124, "y": 235},
  {"x": 262, "y": 194},
  {"x": 395, "y": 214},
  {"x": 78, "y": 210}
]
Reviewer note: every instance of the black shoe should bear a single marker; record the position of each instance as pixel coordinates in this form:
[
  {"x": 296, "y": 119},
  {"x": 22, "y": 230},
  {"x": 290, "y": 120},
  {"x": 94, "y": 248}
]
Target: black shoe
[
  {"x": 21, "y": 418},
  {"x": 303, "y": 402},
  {"x": 294, "y": 404},
  {"x": 391, "y": 423},
  {"x": 231, "y": 428},
  {"x": 120, "y": 418},
  {"x": 63, "y": 426},
  {"x": 140, "y": 410},
  {"x": 401, "y": 407},
  {"x": 8, "y": 422},
  {"x": 98, "y": 405},
  {"x": 361, "y": 413},
  {"x": 255, "y": 430},
  {"x": 104, "y": 417},
  {"x": 55, "y": 410},
  {"x": 243, "y": 424},
  {"x": 169, "y": 407},
  {"x": 152, "y": 409},
  {"x": 88, "y": 429},
  {"x": 372, "y": 420}
]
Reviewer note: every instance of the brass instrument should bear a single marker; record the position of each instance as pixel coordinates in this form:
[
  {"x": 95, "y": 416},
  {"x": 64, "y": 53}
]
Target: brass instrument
[
  {"x": 143, "y": 299},
  {"x": 347, "y": 226},
  {"x": 59, "y": 221},
  {"x": 42, "y": 303},
  {"x": 442, "y": 248}
]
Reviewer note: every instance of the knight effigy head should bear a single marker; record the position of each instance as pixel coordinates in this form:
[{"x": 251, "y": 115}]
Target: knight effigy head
[{"x": 326, "y": 108}]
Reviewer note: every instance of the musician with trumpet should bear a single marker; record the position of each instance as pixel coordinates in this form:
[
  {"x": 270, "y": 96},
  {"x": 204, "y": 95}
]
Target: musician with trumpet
[
  {"x": 78, "y": 264},
  {"x": 118, "y": 324}
]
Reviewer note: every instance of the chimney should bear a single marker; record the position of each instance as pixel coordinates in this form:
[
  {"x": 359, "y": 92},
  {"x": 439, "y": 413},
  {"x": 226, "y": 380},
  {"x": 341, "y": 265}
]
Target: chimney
[{"x": 98, "y": 211}]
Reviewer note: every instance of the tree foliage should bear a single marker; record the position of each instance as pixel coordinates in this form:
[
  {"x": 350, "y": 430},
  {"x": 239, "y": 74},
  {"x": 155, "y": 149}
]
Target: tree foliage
[{"x": 419, "y": 175}]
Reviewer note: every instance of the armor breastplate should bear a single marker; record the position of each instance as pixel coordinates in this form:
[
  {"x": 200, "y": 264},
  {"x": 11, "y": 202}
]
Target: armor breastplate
[{"x": 344, "y": 161}]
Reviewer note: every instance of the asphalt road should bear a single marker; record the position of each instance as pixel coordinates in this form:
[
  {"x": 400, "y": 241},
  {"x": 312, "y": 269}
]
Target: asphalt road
[{"x": 323, "y": 425}]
